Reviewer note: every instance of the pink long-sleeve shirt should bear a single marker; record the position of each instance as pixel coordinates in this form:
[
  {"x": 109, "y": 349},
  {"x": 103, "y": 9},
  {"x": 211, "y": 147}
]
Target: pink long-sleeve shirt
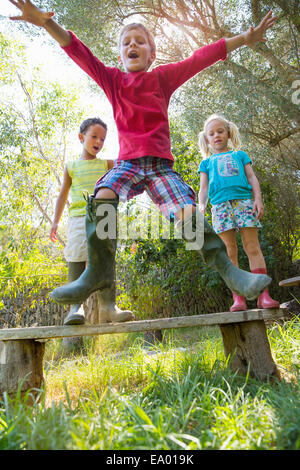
[{"x": 140, "y": 100}]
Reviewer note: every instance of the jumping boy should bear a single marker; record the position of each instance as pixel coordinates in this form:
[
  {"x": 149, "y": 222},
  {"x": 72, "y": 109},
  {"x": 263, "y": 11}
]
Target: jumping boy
[{"x": 140, "y": 100}]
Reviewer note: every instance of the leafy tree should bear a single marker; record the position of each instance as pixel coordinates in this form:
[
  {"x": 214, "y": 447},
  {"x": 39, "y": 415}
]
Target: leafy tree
[{"x": 96, "y": 22}]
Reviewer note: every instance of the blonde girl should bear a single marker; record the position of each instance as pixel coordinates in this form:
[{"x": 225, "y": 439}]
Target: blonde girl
[{"x": 228, "y": 180}]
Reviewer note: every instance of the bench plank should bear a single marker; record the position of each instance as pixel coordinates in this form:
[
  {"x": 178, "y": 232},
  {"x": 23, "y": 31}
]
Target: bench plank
[
  {"x": 292, "y": 281},
  {"x": 223, "y": 318},
  {"x": 244, "y": 338}
]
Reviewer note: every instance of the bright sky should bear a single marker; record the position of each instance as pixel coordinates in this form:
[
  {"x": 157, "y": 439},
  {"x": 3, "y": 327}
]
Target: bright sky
[
  {"x": 6, "y": 8},
  {"x": 45, "y": 52}
]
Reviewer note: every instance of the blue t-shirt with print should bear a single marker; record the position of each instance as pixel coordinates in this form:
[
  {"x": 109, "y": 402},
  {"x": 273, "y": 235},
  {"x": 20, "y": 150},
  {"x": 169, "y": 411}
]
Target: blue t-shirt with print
[{"x": 226, "y": 176}]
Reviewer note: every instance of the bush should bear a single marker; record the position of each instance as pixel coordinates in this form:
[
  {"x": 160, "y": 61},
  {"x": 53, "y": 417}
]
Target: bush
[{"x": 163, "y": 279}]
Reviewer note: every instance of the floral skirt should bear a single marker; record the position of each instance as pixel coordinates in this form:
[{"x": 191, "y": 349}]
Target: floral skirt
[{"x": 234, "y": 214}]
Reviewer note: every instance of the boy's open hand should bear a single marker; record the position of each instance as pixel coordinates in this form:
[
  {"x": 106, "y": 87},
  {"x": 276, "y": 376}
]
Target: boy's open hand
[
  {"x": 53, "y": 233},
  {"x": 30, "y": 13},
  {"x": 257, "y": 34}
]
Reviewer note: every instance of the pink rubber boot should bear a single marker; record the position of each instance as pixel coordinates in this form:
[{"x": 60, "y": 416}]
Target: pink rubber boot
[
  {"x": 264, "y": 300},
  {"x": 239, "y": 303}
]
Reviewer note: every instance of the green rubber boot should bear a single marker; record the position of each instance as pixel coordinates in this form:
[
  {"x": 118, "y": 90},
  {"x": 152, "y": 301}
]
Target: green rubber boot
[
  {"x": 100, "y": 272},
  {"x": 213, "y": 252},
  {"x": 108, "y": 311},
  {"x": 76, "y": 313}
]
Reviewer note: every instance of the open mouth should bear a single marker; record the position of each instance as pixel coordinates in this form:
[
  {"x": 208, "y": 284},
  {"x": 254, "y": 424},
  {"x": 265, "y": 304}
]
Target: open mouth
[{"x": 133, "y": 55}]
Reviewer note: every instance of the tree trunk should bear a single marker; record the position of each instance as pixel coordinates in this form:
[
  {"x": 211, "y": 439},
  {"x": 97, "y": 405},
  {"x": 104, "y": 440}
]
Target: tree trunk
[{"x": 248, "y": 347}]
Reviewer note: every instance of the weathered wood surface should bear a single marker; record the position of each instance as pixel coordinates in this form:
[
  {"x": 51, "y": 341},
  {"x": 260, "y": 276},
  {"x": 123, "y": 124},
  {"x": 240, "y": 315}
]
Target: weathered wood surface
[
  {"x": 21, "y": 364},
  {"x": 244, "y": 337},
  {"x": 292, "y": 281},
  {"x": 249, "y": 349},
  {"x": 47, "y": 332}
]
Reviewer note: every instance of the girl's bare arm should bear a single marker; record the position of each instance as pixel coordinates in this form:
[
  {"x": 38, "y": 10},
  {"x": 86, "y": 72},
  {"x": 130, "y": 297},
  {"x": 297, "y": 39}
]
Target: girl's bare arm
[
  {"x": 258, "y": 205},
  {"x": 203, "y": 193}
]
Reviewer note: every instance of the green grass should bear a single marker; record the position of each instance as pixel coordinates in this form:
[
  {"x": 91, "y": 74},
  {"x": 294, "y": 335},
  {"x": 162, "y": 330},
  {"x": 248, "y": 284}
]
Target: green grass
[{"x": 115, "y": 396}]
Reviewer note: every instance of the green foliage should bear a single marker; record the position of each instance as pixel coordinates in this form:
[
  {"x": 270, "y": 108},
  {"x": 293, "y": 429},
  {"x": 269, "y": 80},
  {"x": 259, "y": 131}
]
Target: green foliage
[
  {"x": 94, "y": 21},
  {"x": 36, "y": 117},
  {"x": 186, "y": 154},
  {"x": 163, "y": 279},
  {"x": 26, "y": 270}
]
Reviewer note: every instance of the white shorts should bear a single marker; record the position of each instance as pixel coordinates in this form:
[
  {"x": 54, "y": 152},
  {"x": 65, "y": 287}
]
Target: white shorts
[{"x": 76, "y": 248}]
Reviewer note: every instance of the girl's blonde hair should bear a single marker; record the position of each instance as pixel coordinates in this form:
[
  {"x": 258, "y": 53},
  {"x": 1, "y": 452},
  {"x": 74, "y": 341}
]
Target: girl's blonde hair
[{"x": 233, "y": 134}]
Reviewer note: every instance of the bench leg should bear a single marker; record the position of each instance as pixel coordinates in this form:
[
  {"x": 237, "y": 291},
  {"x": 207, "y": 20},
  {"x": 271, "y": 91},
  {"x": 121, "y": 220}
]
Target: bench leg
[
  {"x": 248, "y": 347},
  {"x": 21, "y": 364}
]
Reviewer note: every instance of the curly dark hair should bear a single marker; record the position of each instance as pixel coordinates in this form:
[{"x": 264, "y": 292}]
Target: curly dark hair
[{"x": 91, "y": 122}]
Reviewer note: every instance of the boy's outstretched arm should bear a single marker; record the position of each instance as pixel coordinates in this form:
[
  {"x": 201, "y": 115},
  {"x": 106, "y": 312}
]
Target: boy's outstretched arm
[
  {"x": 253, "y": 35},
  {"x": 31, "y": 14}
]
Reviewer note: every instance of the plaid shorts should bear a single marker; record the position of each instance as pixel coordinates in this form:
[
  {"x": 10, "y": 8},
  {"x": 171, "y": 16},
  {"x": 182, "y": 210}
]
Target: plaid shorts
[
  {"x": 154, "y": 175},
  {"x": 237, "y": 213}
]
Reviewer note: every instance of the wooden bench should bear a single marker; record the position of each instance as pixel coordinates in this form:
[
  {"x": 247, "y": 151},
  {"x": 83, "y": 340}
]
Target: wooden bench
[
  {"x": 244, "y": 339},
  {"x": 292, "y": 281}
]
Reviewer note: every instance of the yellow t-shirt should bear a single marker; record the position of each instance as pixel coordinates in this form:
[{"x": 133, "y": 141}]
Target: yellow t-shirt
[{"x": 84, "y": 174}]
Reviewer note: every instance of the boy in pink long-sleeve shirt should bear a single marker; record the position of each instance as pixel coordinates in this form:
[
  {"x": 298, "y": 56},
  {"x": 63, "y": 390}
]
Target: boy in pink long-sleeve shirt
[{"x": 140, "y": 100}]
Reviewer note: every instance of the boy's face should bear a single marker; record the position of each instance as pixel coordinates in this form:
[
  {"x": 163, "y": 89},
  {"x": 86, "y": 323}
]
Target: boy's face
[
  {"x": 93, "y": 139},
  {"x": 135, "y": 51}
]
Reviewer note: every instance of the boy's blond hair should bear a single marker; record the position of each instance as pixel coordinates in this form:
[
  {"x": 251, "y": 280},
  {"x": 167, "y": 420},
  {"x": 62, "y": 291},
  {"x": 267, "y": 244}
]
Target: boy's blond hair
[
  {"x": 233, "y": 134},
  {"x": 129, "y": 27}
]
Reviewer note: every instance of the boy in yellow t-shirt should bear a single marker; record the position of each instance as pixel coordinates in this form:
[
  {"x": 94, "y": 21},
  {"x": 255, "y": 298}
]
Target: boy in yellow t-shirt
[{"x": 79, "y": 176}]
